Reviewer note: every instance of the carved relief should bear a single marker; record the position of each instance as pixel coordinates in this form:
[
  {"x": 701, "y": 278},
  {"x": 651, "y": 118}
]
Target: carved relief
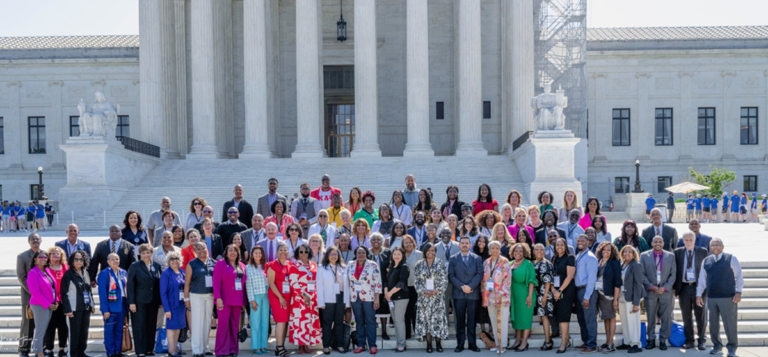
[
  {"x": 36, "y": 93},
  {"x": 750, "y": 82},
  {"x": 663, "y": 83},
  {"x": 76, "y": 91},
  {"x": 707, "y": 83},
  {"x": 119, "y": 91},
  {"x": 622, "y": 83}
]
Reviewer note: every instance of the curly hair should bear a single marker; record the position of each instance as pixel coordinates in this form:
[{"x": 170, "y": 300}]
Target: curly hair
[
  {"x": 526, "y": 250},
  {"x": 614, "y": 251},
  {"x": 368, "y": 194},
  {"x": 86, "y": 259},
  {"x": 481, "y": 218}
]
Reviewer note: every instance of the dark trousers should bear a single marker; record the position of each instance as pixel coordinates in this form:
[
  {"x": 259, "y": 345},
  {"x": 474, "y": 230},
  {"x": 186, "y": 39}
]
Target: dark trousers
[
  {"x": 671, "y": 213},
  {"x": 144, "y": 322},
  {"x": 78, "y": 333},
  {"x": 689, "y": 308},
  {"x": 410, "y": 312},
  {"x": 333, "y": 322},
  {"x": 58, "y": 323},
  {"x": 27, "y": 330},
  {"x": 50, "y": 219},
  {"x": 365, "y": 323},
  {"x": 464, "y": 313}
]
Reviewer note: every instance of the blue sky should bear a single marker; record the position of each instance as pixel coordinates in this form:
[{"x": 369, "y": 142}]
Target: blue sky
[{"x": 121, "y": 17}]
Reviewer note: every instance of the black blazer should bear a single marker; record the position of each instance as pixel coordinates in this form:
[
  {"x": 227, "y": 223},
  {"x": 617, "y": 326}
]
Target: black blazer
[
  {"x": 144, "y": 284},
  {"x": 633, "y": 283},
  {"x": 245, "y": 209},
  {"x": 699, "y": 255},
  {"x": 126, "y": 252},
  {"x": 667, "y": 232},
  {"x": 217, "y": 246},
  {"x": 456, "y": 209},
  {"x": 611, "y": 277},
  {"x": 397, "y": 277},
  {"x": 81, "y": 285},
  {"x": 383, "y": 262},
  {"x": 541, "y": 234}
]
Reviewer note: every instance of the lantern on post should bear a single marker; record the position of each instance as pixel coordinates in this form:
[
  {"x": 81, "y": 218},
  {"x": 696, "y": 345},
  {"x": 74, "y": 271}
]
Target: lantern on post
[{"x": 341, "y": 25}]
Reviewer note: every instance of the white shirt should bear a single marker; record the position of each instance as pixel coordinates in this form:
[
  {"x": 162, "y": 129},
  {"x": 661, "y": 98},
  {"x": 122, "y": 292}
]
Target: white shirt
[
  {"x": 735, "y": 266},
  {"x": 403, "y": 214}
]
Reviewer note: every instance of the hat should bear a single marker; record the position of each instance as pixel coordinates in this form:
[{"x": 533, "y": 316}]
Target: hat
[
  {"x": 698, "y": 195},
  {"x": 754, "y": 194},
  {"x": 325, "y": 177},
  {"x": 764, "y": 195}
]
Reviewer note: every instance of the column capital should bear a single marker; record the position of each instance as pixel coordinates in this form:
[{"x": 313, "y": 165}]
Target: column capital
[
  {"x": 98, "y": 82},
  {"x": 14, "y": 83},
  {"x": 728, "y": 74},
  {"x": 56, "y": 83},
  {"x": 638, "y": 75}
]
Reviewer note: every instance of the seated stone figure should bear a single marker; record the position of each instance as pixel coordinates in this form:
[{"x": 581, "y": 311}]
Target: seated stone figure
[{"x": 99, "y": 118}]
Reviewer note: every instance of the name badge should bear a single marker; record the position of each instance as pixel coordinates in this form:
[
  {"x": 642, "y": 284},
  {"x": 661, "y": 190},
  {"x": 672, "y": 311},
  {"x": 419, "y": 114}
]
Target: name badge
[
  {"x": 181, "y": 295},
  {"x": 489, "y": 285},
  {"x": 238, "y": 284},
  {"x": 86, "y": 298},
  {"x": 286, "y": 287},
  {"x": 208, "y": 281},
  {"x": 658, "y": 277},
  {"x": 599, "y": 284},
  {"x": 311, "y": 286},
  {"x": 136, "y": 249},
  {"x": 430, "y": 284},
  {"x": 391, "y": 306},
  {"x": 336, "y": 288},
  {"x": 690, "y": 275},
  {"x": 357, "y": 287},
  {"x": 557, "y": 281},
  {"x": 333, "y": 224}
]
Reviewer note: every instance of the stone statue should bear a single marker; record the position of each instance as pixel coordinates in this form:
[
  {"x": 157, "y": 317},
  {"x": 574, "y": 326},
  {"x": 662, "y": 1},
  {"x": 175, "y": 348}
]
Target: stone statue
[
  {"x": 99, "y": 118},
  {"x": 548, "y": 109}
]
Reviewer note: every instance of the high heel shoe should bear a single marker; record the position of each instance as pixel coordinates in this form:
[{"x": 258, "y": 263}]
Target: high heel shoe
[
  {"x": 429, "y": 345},
  {"x": 438, "y": 346},
  {"x": 547, "y": 346},
  {"x": 515, "y": 346},
  {"x": 524, "y": 349},
  {"x": 281, "y": 351}
]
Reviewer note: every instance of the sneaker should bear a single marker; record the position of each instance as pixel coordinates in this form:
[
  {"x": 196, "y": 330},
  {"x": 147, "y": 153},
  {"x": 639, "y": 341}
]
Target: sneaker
[
  {"x": 623, "y": 346},
  {"x": 609, "y": 349}
]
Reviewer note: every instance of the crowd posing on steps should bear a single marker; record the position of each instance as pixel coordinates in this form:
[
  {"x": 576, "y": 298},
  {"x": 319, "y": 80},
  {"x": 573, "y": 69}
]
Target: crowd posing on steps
[{"x": 318, "y": 267}]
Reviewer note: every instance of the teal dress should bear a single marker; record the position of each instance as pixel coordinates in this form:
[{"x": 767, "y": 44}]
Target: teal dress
[{"x": 522, "y": 277}]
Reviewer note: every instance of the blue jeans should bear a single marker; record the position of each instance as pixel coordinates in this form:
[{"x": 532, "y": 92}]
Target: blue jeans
[
  {"x": 587, "y": 317},
  {"x": 365, "y": 319}
]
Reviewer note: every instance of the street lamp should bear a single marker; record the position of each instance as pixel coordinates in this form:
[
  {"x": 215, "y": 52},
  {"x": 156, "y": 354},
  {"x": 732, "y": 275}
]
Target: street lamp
[
  {"x": 40, "y": 190},
  {"x": 637, "y": 189},
  {"x": 341, "y": 25}
]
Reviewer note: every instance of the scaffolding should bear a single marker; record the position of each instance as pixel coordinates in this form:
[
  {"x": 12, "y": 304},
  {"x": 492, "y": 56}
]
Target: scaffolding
[{"x": 560, "y": 40}]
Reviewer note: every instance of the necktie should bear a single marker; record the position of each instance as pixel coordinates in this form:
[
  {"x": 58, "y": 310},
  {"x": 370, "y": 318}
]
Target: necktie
[
  {"x": 269, "y": 252},
  {"x": 690, "y": 260},
  {"x": 447, "y": 252},
  {"x": 658, "y": 233},
  {"x": 113, "y": 247},
  {"x": 465, "y": 260}
]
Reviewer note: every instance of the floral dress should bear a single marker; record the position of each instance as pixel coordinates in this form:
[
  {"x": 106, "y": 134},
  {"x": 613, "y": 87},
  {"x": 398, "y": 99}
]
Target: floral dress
[
  {"x": 544, "y": 271},
  {"x": 430, "y": 310},
  {"x": 304, "y": 322}
]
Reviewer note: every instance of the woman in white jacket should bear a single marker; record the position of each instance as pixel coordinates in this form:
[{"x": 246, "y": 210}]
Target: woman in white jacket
[{"x": 331, "y": 275}]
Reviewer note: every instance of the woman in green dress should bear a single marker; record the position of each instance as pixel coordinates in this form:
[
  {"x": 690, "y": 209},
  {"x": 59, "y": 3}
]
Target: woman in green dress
[{"x": 523, "y": 283}]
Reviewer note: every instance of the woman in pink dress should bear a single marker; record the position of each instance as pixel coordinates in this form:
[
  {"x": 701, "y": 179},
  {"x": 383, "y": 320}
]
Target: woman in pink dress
[
  {"x": 593, "y": 210},
  {"x": 304, "y": 324}
]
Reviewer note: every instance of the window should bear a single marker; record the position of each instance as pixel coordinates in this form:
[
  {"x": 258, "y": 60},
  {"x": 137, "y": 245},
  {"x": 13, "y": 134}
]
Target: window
[
  {"x": 33, "y": 192},
  {"x": 706, "y": 126},
  {"x": 487, "y": 110},
  {"x": 663, "y": 127},
  {"x": 36, "y": 135},
  {"x": 339, "y": 77},
  {"x": 440, "y": 110},
  {"x": 622, "y": 185},
  {"x": 74, "y": 126},
  {"x": 750, "y": 183},
  {"x": 1, "y": 193},
  {"x": 621, "y": 127},
  {"x": 749, "y": 126},
  {"x": 663, "y": 182},
  {"x": 122, "y": 126},
  {"x": 2, "y": 136}
]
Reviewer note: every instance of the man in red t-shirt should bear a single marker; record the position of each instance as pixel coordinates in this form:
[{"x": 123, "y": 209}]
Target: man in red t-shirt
[{"x": 325, "y": 192}]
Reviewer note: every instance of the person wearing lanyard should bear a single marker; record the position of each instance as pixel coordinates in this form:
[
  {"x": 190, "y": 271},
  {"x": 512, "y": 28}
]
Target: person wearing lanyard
[
  {"x": 563, "y": 289},
  {"x": 172, "y": 283},
  {"x": 497, "y": 282},
  {"x": 608, "y": 288},
  {"x": 212, "y": 240},
  {"x": 659, "y": 270},
  {"x": 322, "y": 228},
  {"x": 419, "y": 231},
  {"x": 360, "y": 231},
  {"x": 367, "y": 212},
  {"x": 631, "y": 292},
  {"x": 586, "y": 298},
  {"x": 523, "y": 283},
  {"x": 113, "y": 303},
  {"x": 42, "y": 291},
  {"x": 400, "y": 208},
  {"x": 77, "y": 300},
  {"x": 396, "y": 294},
  {"x": 334, "y": 212},
  {"x": 363, "y": 290},
  {"x": 256, "y": 287},
  {"x": 133, "y": 231},
  {"x": 304, "y": 326},
  {"x": 431, "y": 283},
  {"x": 572, "y": 228},
  {"x": 412, "y": 257},
  {"x": 280, "y": 218},
  {"x": 396, "y": 240},
  {"x": 144, "y": 299},
  {"x": 330, "y": 298},
  {"x": 198, "y": 296},
  {"x": 228, "y": 284},
  {"x": 381, "y": 256},
  {"x": 279, "y": 293},
  {"x": 295, "y": 238},
  {"x": 688, "y": 259}
]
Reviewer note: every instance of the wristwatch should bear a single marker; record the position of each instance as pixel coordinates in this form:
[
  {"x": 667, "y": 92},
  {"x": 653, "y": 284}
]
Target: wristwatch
[{"x": 186, "y": 299}]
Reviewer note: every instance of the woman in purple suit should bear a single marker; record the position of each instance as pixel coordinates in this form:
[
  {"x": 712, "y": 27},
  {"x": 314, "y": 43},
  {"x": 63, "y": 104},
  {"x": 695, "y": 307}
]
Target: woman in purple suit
[{"x": 228, "y": 287}]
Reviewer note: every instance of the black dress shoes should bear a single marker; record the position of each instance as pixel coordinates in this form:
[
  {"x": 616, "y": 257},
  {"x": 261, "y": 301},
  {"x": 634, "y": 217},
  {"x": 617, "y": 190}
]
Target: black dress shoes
[
  {"x": 688, "y": 346},
  {"x": 702, "y": 346},
  {"x": 663, "y": 345},
  {"x": 650, "y": 345},
  {"x": 474, "y": 348},
  {"x": 623, "y": 346},
  {"x": 459, "y": 349}
]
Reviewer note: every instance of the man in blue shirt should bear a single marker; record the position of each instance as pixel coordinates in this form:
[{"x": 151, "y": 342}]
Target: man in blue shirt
[
  {"x": 764, "y": 203},
  {"x": 725, "y": 206},
  {"x": 689, "y": 208},
  {"x": 735, "y": 207},
  {"x": 702, "y": 240},
  {"x": 649, "y": 204},
  {"x": 697, "y": 206},
  {"x": 705, "y": 208},
  {"x": 586, "y": 297},
  {"x": 713, "y": 202}
]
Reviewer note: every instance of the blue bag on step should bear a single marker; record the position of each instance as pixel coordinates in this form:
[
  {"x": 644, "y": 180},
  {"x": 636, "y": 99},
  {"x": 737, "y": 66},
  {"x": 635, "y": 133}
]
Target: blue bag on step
[{"x": 161, "y": 341}]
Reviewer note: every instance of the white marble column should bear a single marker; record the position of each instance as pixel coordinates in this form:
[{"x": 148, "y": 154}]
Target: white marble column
[
  {"x": 521, "y": 41},
  {"x": 256, "y": 80},
  {"x": 151, "y": 72},
  {"x": 58, "y": 125},
  {"x": 644, "y": 137},
  {"x": 167, "y": 128},
  {"x": 203, "y": 81},
  {"x": 417, "y": 78},
  {"x": 469, "y": 78},
  {"x": 308, "y": 80},
  {"x": 366, "y": 84},
  {"x": 180, "y": 44}
]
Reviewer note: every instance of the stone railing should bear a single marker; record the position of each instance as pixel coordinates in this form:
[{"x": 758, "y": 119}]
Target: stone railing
[{"x": 139, "y": 146}]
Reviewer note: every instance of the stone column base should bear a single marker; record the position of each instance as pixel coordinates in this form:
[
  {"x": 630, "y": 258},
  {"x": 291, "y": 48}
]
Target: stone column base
[{"x": 548, "y": 165}]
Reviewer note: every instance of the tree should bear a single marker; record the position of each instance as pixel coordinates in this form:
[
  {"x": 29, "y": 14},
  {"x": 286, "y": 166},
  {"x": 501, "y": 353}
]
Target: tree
[{"x": 716, "y": 180}]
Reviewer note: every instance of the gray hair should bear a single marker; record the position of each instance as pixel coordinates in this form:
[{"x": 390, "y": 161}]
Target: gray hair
[
  {"x": 113, "y": 255},
  {"x": 173, "y": 255},
  {"x": 494, "y": 243},
  {"x": 377, "y": 234},
  {"x": 539, "y": 245},
  {"x": 655, "y": 210},
  {"x": 345, "y": 212},
  {"x": 689, "y": 233}
]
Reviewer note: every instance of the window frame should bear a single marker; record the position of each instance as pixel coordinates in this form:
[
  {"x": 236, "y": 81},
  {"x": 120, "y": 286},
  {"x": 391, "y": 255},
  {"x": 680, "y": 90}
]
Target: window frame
[
  {"x": 624, "y": 186},
  {"x": 121, "y": 127},
  {"x": 621, "y": 121},
  {"x": 74, "y": 126},
  {"x": 487, "y": 109},
  {"x": 33, "y": 191},
  {"x": 439, "y": 110},
  {"x": 748, "y": 186},
  {"x": 667, "y": 181},
  {"x": 37, "y": 128},
  {"x": 2, "y": 140},
  {"x": 706, "y": 117},
  {"x": 749, "y": 117},
  {"x": 663, "y": 120}
]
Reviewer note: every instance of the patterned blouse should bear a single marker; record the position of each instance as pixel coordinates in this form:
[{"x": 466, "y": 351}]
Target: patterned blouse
[
  {"x": 256, "y": 284},
  {"x": 500, "y": 271}
]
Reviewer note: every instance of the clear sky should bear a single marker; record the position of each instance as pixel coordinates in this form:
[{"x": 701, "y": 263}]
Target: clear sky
[{"x": 121, "y": 17}]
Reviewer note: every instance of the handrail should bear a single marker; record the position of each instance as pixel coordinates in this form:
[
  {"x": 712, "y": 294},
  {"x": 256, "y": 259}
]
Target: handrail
[
  {"x": 521, "y": 140},
  {"x": 139, "y": 146}
]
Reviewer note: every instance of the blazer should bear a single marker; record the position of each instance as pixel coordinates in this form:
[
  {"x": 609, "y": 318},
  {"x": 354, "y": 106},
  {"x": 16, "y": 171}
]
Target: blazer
[
  {"x": 440, "y": 251},
  {"x": 398, "y": 278},
  {"x": 541, "y": 234},
  {"x": 699, "y": 254},
  {"x": 325, "y": 281},
  {"x": 216, "y": 248},
  {"x": 245, "y": 209},
  {"x": 633, "y": 283},
  {"x": 40, "y": 288},
  {"x": 383, "y": 262},
  {"x": 668, "y": 270},
  {"x": 262, "y": 206},
  {"x": 73, "y": 288},
  {"x": 23, "y": 265},
  {"x": 667, "y": 232},
  {"x": 414, "y": 232},
  {"x": 415, "y": 257},
  {"x": 169, "y": 289},
  {"x": 611, "y": 277},
  {"x": 455, "y": 209},
  {"x": 81, "y": 245},
  {"x": 702, "y": 241},
  {"x": 248, "y": 240},
  {"x": 224, "y": 284},
  {"x": 264, "y": 243},
  {"x": 470, "y": 274},
  {"x": 364, "y": 288},
  {"x": 103, "y": 282},
  {"x": 144, "y": 284},
  {"x": 125, "y": 251}
]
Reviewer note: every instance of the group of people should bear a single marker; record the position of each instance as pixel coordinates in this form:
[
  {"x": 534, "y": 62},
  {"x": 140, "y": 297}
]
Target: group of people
[
  {"x": 16, "y": 217},
  {"x": 736, "y": 209},
  {"x": 316, "y": 265}
]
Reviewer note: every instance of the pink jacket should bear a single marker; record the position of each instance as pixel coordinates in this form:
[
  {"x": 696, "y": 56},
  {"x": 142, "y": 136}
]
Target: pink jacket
[
  {"x": 513, "y": 232},
  {"x": 224, "y": 284},
  {"x": 40, "y": 289}
]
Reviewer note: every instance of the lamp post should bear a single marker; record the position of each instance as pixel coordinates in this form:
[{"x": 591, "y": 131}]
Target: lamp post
[
  {"x": 637, "y": 189},
  {"x": 341, "y": 25},
  {"x": 40, "y": 184}
]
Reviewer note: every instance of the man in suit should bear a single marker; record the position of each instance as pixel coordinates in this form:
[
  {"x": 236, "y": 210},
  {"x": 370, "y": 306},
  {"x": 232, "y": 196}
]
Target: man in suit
[
  {"x": 671, "y": 207},
  {"x": 231, "y": 226},
  {"x": 465, "y": 271},
  {"x": 668, "y": 233},
  {"x": 266, "y": 200},
  {"x": 155, "y": 219},
  {"x": 245, "y": 208},
  {"x": 270, "y": 243},
  {"x": 207, "y": 213},
  {"x": 689, "y": 258},
  {"x": 304, "y": 210},
  {"x": 255, "y": 234},
  {"x": 115, "y": 244},
  {"x": 23, "y": 266},
  {"x": 550, "y": 224},
  {"x": 444, "y": 251},
  {"x": 72, "y": 243},
  {"x": 419, "y": 231},
  {"x": 659, "y": 273},
  {"x": 702, "y": 240}
]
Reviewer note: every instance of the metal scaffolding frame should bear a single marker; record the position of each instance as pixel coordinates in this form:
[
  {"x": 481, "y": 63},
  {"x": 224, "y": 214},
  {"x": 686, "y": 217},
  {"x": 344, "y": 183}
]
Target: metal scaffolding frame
[{"x": 560, "y": 42}]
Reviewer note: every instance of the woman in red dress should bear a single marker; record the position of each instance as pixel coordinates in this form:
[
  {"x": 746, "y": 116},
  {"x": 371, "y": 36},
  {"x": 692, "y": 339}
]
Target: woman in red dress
[
  {"x": 305, "y": 319},
  {"x": 279, "y": 295}
]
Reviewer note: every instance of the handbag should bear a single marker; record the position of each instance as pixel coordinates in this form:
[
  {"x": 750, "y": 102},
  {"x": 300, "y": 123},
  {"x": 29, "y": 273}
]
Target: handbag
[
  {"x": 347, "y": 340},
  {"x": 30, "y": 314},
  {"x": 161, "y": 341},
  {"x": 677, "y": 337},
  {"x": 127, "y": 344},
  {"x": 242, "y": 335},
  {"x": 487, "y": 340}
]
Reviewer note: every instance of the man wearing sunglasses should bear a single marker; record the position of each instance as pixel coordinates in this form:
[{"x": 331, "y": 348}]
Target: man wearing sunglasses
[
  {"x": 231, "y": 226},
  {"x": 243, "y": 207},
  {"x": 207, "y": 213}
]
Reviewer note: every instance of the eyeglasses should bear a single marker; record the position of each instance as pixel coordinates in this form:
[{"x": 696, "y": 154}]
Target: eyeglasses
[
  {"x": 293, "y": 230},
  {"x": 323, "y": 216},
  {"x": 172, "y": 259},
  {"x": 42, "y": 257},
  {"x": 305, "y": 188},
  {"x": 207, "y": 211},
  {"x": 232, "y": 212}
]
